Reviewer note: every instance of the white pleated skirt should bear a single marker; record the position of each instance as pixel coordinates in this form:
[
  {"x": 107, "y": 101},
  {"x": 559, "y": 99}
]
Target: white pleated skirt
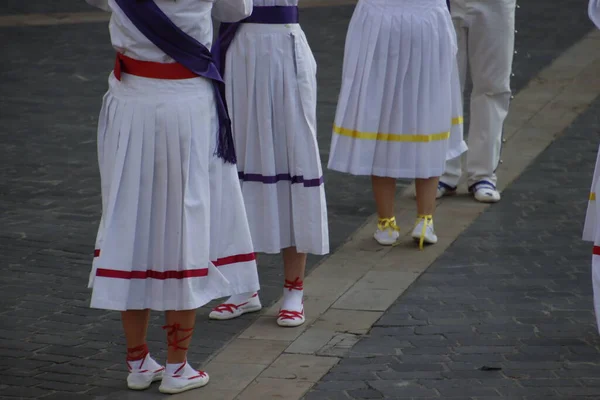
[
  {"x": 270, "y": 77},
  {"x": 399, "y": 111},
  {"x": 591, "y": 233},
  {"x": 174, "y": 233}
]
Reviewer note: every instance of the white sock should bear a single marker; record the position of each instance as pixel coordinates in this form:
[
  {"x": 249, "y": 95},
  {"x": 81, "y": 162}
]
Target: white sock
[
  {"x": 145, "y": 363},
  {"x": 238, "y": 299},
  {"x": 292, "y": 300},
  {"x": 171, "y": 369},
  {"x": 135, "y": 365}
]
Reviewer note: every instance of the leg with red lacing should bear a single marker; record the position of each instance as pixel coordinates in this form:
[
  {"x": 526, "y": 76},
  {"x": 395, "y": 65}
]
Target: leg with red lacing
[
  {"x": 292, "y": 308},
  {"x": 179, "y": 327},
  {"x": 135, "y": 325},
  {"x": 136, "y": 356},
  {"x": 143, "y": 370},
  {"x": 179, "y": 375}
]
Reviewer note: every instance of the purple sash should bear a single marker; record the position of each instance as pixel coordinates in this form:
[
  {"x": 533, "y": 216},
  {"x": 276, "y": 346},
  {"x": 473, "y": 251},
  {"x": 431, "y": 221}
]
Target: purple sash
[
  {"x": 260, "y": 15},
  {"x": 149, "y": 19}
]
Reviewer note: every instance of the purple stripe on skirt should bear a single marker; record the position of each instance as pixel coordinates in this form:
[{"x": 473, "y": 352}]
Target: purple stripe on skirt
[{"x": 280, "y": 177}]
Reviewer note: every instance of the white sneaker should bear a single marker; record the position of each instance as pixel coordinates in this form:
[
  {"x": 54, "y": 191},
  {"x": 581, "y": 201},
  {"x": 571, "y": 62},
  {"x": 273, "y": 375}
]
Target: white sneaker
[
  {"x": 444, "y": 190},
  {"x": 141, "y": 378},
  {"x": 229, "y": 310},
  {"x": 485, "y": 192},
  {"x": 184, "y": 378},
  {"x": 423, "y": 231},
  {"x": 387, "y": 232}
]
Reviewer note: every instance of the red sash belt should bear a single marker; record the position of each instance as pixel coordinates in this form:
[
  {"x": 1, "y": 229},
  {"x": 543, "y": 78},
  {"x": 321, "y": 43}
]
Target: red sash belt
[{"x": 150, "y": 69}]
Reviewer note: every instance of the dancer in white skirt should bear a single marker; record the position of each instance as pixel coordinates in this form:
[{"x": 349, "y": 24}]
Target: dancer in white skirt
[
  {"x": 399, "y": 109},
  {"x": 174, "y": 233},
  {"x": 591, "y": 230},
  {"x": 486, "y": 40},
  {"x": 270, "y": 76}
]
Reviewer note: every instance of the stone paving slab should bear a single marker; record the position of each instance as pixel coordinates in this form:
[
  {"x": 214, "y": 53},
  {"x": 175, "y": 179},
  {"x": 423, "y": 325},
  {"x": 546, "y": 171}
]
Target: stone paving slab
[{"x": 52, "y": 345}]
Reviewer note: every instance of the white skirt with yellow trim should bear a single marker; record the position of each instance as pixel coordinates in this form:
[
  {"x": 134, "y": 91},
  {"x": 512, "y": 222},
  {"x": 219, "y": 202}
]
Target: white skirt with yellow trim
[
  {"x": 590, "y": 231},
  {"x": 399, "y": 112}
]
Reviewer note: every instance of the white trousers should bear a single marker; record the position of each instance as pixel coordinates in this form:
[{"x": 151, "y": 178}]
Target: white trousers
[
  {"x": 594, "y": 12},
  {"x": 485, "y": 31}
]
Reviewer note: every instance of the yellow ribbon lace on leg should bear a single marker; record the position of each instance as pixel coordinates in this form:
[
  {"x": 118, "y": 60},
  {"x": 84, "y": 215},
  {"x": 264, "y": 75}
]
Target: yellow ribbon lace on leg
[
  {"x": 427, "y": 221},
  {"x": 388, "y": 224}
]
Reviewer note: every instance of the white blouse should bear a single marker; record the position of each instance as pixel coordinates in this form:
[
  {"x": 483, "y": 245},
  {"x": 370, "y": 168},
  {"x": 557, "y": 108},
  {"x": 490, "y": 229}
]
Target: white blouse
[{"x": 192, "y": 16}]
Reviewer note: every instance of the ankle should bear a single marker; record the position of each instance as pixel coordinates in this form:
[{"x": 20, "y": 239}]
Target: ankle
[
  {"x": 136, "y": 356},
  {"x": 293, "y": 295},
  {"x": 387, "y": 223},
  {"x": 177, "y": 344},
  {"x": 293, "y": 285},
  {"x": 137, "y": 353},
  {"x": 174, "y": 367}
]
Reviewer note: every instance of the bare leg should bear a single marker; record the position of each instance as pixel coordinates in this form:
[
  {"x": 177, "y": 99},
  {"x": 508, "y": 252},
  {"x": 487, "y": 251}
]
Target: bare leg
[
  {"x": 143, "y": 369},
  {"x": 135, "y": 325},
  {"x": 294, "y": 264},
  {"x": 180, "y": 326},
  {"x": 179, "y": 374},
  {"x": 384, "y": 191},
  {"x": 292, "y": 307},
  {"x": 426, "y": 192}
]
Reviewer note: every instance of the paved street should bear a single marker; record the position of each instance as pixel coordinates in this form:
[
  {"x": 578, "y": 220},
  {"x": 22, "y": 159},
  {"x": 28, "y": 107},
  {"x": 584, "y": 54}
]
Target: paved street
[{"x": 516, "y": 297}]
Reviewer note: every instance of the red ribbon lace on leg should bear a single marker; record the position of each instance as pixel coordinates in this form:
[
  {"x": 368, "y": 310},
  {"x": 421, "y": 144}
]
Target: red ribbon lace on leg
[
  {"x": 296, "y": 284},
  {"x": 136, "y": 354},
  {"x": 172, "y": 331},
  {"x": 287, "y": 314}
]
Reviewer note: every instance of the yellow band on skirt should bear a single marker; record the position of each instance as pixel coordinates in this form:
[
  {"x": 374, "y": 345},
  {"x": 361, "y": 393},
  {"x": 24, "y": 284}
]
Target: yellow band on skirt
[{"x": 391, "y": 137}]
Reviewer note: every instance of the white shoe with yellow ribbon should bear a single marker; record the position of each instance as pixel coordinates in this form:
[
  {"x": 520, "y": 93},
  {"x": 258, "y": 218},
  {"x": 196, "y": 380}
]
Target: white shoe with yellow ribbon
[{"x": 423, "y": 233}]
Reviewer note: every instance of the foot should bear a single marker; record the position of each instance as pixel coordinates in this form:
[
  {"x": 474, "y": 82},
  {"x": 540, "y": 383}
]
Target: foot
[
  {"x": 387, "y": 232},
  {"x": 423, "y": 233},
  {"x": 236, "y": 306},
  {"x": 292, "y": 307},
  {"x": 182, "y": 379},
  {"x": 485, "y": 192},
  {"x": 445, "y": 190},
  {"x": 290, "y": 319},
  {"x": 143, "y": 372}
]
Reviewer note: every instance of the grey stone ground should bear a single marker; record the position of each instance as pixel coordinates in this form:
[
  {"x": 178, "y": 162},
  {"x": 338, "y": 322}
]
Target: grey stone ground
[
  {"x": 504, "y": 313},
  {"x": 52, "y": 78}
]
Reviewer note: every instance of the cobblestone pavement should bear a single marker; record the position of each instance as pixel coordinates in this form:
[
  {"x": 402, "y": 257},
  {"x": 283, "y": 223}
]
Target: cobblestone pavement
[
  {"x": 506, "y": 312},
  {"x": 52, "y": 345}
]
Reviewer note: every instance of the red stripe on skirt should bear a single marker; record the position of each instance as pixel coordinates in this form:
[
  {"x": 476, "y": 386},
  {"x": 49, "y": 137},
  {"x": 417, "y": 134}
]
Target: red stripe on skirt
[
  {"x": 162, "y": 275},
  {"x": 596, "y": 251},
  {"x": 150, "y": 274},
  {"x": 235, "y": 259}
]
